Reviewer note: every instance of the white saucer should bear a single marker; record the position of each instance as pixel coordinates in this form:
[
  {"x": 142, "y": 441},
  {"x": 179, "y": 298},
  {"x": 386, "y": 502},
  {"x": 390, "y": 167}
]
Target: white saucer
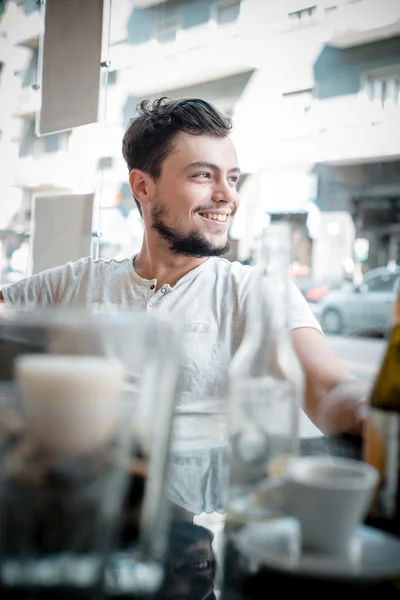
[{"x": 276, "y": 543}]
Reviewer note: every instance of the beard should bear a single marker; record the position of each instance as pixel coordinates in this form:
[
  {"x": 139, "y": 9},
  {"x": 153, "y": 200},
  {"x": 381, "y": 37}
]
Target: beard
[{"x": 187, "y": 244}]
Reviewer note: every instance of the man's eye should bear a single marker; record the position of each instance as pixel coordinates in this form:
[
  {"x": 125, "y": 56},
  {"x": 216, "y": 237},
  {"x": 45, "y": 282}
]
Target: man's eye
[
  {"x": 234, "y": 179},
  {"x": 202, "y": 175}
]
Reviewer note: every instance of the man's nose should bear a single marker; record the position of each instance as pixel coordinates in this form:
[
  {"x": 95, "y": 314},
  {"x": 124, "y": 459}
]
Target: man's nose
[{"x": 224, "y": 192}]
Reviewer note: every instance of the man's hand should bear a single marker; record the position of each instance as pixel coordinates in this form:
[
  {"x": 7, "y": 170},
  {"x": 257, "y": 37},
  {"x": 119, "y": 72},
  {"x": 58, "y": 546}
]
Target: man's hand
[
  {"x": 335, "y": 400},
  {"x": 344, "y": 408}
]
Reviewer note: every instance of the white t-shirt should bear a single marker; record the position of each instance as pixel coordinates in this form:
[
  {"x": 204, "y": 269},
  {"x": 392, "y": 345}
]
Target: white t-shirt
[{"x": 210, "y": 300}]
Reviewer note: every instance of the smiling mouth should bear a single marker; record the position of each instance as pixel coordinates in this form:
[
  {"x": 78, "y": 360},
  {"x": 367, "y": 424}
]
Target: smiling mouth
[
  {"x": 217, "y": 217},
  {"x": 203, "y": 566}
]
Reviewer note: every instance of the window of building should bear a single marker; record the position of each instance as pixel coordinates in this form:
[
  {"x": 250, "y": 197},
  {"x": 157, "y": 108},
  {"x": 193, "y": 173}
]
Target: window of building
[
  {"x": 105, "y": 162},
  {"x": 30, "y": 6},
  {"x": 303, "y": 16},
  {"x": 383, "y": 89},
  {"x": 31, "y": 73},
  {"x": 112, "y": 77},
  {"x": 226, "y": 11},
  {"x": 28, "y": 137},
  {"x": 330, "y": 10},
  {"x": 52, "y": 143},
  {"x": 166, "y": 30}
]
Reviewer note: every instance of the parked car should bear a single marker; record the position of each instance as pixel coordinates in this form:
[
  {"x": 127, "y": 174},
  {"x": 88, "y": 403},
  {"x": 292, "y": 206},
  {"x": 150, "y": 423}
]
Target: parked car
[{"x": 364, "y": 308}]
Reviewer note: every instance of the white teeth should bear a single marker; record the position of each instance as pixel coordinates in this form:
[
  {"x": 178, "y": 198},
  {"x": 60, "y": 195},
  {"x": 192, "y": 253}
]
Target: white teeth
[
  {"x": 199, "y": 565},
  {"x": 216, "y": 217}
]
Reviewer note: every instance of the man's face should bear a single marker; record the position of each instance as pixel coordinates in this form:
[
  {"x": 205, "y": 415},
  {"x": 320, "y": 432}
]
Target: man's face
[
  {"x": 190, "y": 571},
  {"x": 194, "y": 200}
]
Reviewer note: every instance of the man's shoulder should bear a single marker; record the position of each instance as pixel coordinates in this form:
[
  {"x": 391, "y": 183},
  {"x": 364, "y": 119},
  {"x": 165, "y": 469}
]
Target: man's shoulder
[
  {"x": 229, "y": 277},
  {"x": 69, "y": 274},
  {"x": 103, "y": 264},
  {"x": 232, "y": 269},
  {"x": 91, "y": 265}
]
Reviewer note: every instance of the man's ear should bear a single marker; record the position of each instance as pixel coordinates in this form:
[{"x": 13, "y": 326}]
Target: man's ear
[{"x": 140, "y": 186}]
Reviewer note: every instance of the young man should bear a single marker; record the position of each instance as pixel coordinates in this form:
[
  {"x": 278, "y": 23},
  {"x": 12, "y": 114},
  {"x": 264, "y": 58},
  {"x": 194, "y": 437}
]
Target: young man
[{"x": 183, "y": 172}]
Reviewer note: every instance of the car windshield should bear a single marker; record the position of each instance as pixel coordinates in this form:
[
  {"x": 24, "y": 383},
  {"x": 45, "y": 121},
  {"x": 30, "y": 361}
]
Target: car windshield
[{"x": 380, "y": 283}]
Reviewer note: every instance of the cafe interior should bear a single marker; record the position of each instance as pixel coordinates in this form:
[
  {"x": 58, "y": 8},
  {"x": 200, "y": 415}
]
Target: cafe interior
[{"x": 109, "y": 488}]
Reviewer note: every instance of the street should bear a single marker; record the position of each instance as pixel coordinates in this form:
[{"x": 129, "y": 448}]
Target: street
[{"x": 362, "y": 356}]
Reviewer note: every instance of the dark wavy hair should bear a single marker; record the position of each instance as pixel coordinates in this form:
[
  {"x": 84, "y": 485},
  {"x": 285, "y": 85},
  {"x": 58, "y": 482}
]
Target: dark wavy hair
[{"x": 150, "y": 135}]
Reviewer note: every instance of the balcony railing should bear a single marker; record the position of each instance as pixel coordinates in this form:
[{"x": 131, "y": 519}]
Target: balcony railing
[
  {"x": 216, "y": 52},
  {"x": 354, "y": 111},
  {"x": 349, "y": 128},
  {"x": 363, "y": 22}
]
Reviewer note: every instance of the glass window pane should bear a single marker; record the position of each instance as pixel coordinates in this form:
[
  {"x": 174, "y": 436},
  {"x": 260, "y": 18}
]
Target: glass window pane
[
  {"x": 14, "y": 256},
  {"x": 112, "y": 77},
  {"x": 30, "y": 6},
  {"x": 31, "y": 72},
  {"x": 105, "y": 162},
  {"x": 228, "y": 12},
  {"x": 166, "y": 31},
  {"x": 27, "y": 138},
  {"x": 52, "y": 143},
  {"x": 315, "y": 109},
  {"x": 384, "y": 283}
]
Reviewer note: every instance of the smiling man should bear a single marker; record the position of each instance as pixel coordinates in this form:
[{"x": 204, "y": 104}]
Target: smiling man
[
  {"x": 185, "y": 186},
  {"x": 183, "y": 172}
]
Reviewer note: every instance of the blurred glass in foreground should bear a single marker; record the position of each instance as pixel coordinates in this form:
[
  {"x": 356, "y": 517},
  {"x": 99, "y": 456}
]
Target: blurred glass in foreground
[{"x": 86, "y": 403}]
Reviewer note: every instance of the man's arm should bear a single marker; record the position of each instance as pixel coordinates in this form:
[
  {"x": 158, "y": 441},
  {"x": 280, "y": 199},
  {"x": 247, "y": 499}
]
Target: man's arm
[{"x": 334, "y": 400}]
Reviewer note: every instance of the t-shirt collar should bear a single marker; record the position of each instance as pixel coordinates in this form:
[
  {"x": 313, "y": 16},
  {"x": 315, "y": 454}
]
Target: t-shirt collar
[{"x": 147, "y": 282}]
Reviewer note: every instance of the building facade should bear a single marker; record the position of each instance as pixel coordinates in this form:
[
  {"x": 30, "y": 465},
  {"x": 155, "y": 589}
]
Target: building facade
[{"x": 314, "y": 91}]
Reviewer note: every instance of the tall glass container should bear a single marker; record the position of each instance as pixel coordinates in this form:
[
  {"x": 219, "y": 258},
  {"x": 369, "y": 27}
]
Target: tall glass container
[{"x": 266, "y": 384}]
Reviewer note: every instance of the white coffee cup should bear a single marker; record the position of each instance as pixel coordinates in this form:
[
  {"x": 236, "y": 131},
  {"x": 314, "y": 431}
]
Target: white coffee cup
[
  {"x": 329, "y": 497},
  {"x": 70, "y": 403}
]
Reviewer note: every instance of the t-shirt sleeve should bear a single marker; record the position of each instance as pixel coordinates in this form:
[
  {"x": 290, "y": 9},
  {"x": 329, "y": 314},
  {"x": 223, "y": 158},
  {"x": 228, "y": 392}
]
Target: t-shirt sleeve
[
  {"x": 44, "y": 289},
  {"x": 301, "y": 314}
]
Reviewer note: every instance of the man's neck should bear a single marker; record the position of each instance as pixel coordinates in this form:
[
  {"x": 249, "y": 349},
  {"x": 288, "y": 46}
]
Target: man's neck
[{"x": 165, "y": 266}]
